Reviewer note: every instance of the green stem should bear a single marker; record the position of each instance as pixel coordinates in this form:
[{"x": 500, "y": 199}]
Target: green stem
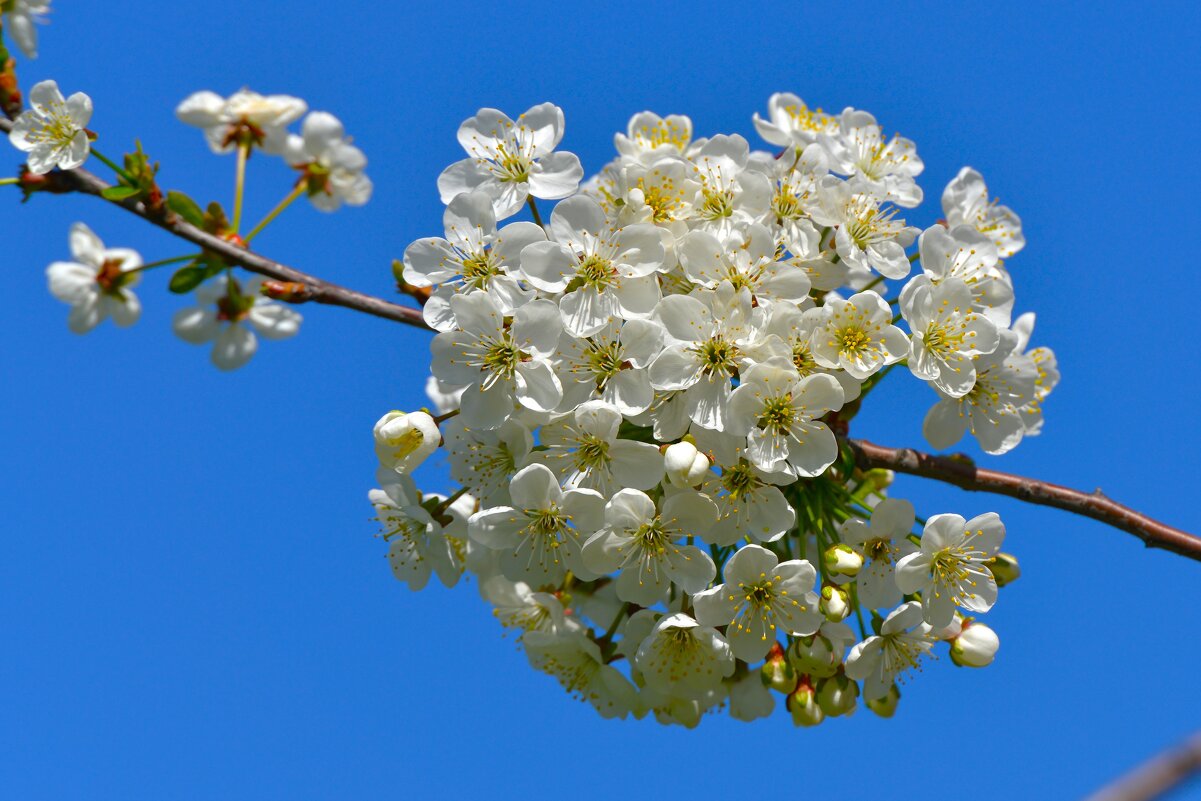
[
  {"x": 534, "y": 210},
  {"x": 165, "y": 262},
  {"x": 875, "y": 282},
  {"x": 858, "y": 611},
  {"x": 296, "y": 192},
  {"x": 112, "y": 165},
  {"x": 446, "y": 504},
  {"x": 240, "y": 183},
  {"x": 9, "y": 181}
]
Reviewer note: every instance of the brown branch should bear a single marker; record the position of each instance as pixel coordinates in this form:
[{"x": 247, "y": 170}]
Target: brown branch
[
  {"x": 315, "y": 289},
  {"x": 296, "y": 287},
  {"x": 1157, "y": 776},
  {"x": 963, "y": 473}
]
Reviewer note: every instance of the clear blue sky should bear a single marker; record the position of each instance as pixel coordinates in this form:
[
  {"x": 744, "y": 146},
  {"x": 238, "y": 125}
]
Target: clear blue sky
[{"x": 192, "y": 603}]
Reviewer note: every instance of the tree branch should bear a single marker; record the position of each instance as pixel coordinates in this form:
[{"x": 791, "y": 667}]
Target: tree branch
[
  {"x": 957, "y": 470},
  {"x": 1159, "y": 775},
  {"x": 962, "y": 472},
  {"x": 314, "y": 289}
]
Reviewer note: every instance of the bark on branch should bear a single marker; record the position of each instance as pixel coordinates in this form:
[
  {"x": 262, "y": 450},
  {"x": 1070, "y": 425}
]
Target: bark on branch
[
  {"x": 963, "y": 473},
  {"x": 1156, "y": 777}
]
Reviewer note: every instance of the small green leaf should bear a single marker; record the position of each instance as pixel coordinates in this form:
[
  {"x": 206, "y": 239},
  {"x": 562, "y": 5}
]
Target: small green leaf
[
  {"x": 120, "y": 192},
  {"x": 187, "y": 278},
  {"x": 185, "y": 207}
]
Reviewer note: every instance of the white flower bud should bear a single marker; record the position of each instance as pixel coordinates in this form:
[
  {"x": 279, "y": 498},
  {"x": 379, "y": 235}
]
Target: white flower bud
[
  {"x": 403, "y": 441},
  {"x": 685, "y": 465},
  {"x": 976, "y": 645},
  {"x": 842, "y": 560},
  {"x": 835, "y": 603}
]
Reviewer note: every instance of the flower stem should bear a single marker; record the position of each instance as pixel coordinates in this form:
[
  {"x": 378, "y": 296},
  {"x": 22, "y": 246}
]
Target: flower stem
[
  {"x": 874, "y": 282},
  {"x": 240, "y": 183},
  {"x": 534, "y": 210},
  {"x": 165, "y": 262},
  {"x": 112, "y": 165},
  {"x": 9, "y": 181},
  {"x": 296, "y": 192}
]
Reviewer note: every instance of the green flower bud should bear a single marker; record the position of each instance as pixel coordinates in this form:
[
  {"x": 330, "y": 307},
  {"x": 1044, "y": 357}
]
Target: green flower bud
[
  {"x": 886, "y": 707},
  {"x": 803, "y": 706},
  {"x": 837, "y": 695},
  {"x": 776, "y": 672},
  {"x": 1005, "y": 568}
]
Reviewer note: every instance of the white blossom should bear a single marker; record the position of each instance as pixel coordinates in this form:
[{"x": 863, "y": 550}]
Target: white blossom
[
  {"x": 404, "y": 440},
  {"x": 712, "y": 336},
  {"x": 540, "y": 536},
  {"x": 98, "y": 284},
  {"x": 513, "y": 160},
  {"x": 868, "y": 235},
  {"x": 683, "y": 658},
  {"x": 500, "y": 363},
  {"x": 883, "y": 543},
  {"x": 791, "y": 123},
  {"x": 857, "y": 335},
  {"x": 417, "y": 546},
  {"x": 333, "y": 167},
  {"x": 230, "y": 316},
  {"x": 21, "y": 20},
  {"x": 643, "y": 543},
  {"x": 965, "y": 202},
  {"x": 52, "y": 131},
  {"x": 604, "y": 274},
  {"x": 649, "y": 137},
  {"x": 576, "y": 662},
  {"x": 879, "y": 660},
  {"x": 951, "y": 568},
  {"x": 885, "y": 168},
  {"x": 761, "y": 599},
  {"x": 947, "y": 335},
  {"x": 245, "y": 116},
  {"x": 992, "y": 409}
]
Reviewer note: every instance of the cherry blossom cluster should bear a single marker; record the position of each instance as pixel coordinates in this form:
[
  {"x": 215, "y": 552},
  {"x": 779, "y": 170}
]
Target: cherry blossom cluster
[
  {"x": 641, "y": 390},
  {"x": 231, "y": 314}
]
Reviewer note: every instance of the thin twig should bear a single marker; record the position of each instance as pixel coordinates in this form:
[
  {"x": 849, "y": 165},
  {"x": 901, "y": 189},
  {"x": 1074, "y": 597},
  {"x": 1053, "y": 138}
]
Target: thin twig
[
  {"x": 963, "y": 473},
  {"x": 1157, "y": 776}
]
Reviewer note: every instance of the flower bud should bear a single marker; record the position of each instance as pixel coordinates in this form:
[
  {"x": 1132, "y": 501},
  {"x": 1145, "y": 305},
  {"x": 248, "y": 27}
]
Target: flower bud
[
  {"x": 976, "y": 645},
  {"x": 837, "y": 695},
  {"x": 686, "y": 466},
  {"x": 820, "y": 654},
  {"x": 1005, "y": 568},
  {"x": 802, "y": 703},
  {"x": 835, "y": 603},
  {"x": 404, "y": 441},
  {"x": 886, "y": 707},
  {"x": 776, "y": 672},
  {"x": 842, "y": 560}
]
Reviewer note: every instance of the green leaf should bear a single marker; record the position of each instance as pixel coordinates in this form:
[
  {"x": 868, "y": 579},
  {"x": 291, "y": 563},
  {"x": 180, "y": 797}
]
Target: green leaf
[
  {"x": 120, "y": 192},
  {"x": 188, "y": 278},
  {"x": 186, "y": 208}
]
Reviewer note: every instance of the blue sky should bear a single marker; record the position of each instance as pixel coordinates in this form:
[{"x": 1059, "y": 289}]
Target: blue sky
[{"x": 192, "y": 603}]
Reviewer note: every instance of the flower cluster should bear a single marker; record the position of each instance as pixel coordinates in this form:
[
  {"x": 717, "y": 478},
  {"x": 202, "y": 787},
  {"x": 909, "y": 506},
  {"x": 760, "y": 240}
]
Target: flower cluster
[
  {"x": 641, "y": 400},
  {"x": 230, "y": 313}
]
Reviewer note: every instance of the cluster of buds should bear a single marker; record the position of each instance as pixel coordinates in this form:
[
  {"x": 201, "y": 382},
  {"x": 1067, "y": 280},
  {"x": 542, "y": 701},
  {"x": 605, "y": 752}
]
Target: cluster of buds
[{"x": 641, "y": 394}]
